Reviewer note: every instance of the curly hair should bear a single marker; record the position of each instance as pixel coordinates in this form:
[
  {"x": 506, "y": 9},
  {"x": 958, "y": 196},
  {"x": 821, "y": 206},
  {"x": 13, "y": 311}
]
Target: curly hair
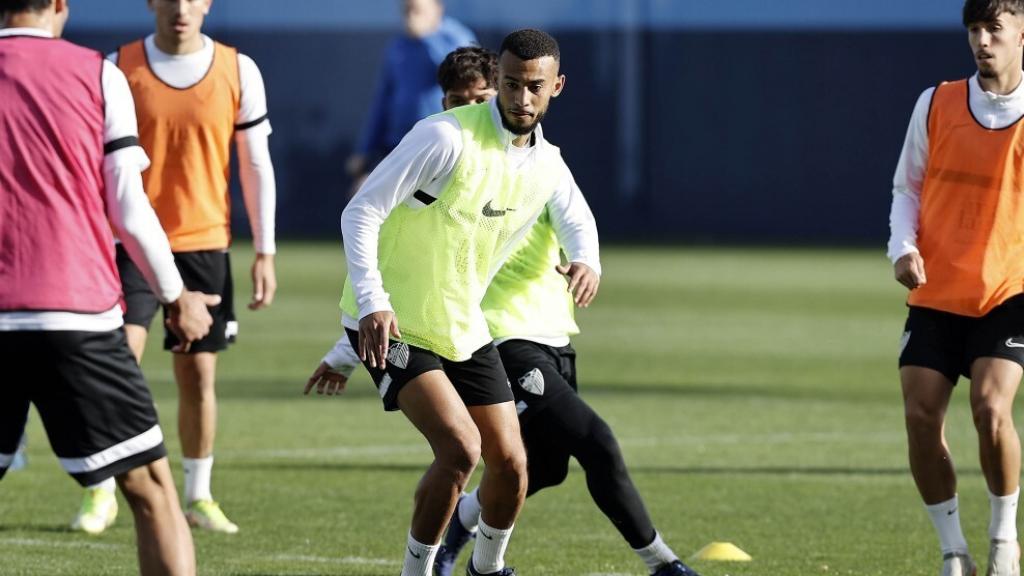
[
  {"x": 467, "y": 65},
  {"x": 17, "y": 6},
  {"x": 988, "y": 10},
  {"x": 530, "y": 44}
]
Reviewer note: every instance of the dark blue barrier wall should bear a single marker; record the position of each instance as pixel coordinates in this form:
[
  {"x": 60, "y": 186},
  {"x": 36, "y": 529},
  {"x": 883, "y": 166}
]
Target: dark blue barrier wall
[{"x": 674, "y": 135}]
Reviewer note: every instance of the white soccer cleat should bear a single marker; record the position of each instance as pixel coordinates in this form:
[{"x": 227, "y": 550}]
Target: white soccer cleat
[
  {"x": 207, "y": 515},
  {"x": 98, "y": 512},
  {"x": 1003, "y": 558}
]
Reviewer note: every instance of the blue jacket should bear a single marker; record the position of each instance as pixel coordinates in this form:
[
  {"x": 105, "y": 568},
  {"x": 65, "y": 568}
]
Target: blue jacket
[{"x": 407, "y": 89}]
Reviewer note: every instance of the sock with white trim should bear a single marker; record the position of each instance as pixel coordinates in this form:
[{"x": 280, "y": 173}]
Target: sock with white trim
[
  {"x": 656, "y": 554},
  {"x": 108, "y": 485},
  {"x": 1003, "y": 523},
  {"x": 469, "y": 511},
  {"x": 489, "y": 550}
]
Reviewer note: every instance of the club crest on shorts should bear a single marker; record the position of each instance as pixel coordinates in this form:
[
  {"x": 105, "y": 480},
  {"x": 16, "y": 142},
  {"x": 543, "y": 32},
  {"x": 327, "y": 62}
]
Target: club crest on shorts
[
  {"x": 533, "y": 382},
  {"x": 398, "y": 354}
]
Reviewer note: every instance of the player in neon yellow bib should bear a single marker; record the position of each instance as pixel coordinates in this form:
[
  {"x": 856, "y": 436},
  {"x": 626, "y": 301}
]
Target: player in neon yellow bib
[
  {"x": 530, "y": 315},
  {"x": 423, "y": 237}
]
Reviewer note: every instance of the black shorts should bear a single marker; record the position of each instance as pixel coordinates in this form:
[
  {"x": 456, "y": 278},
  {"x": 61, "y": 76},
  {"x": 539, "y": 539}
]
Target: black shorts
[
  {"x": 950, "y": 343},
  {"x": 90, "y": 393},
  {"x": 207, "y": 271},
  {"x": 538, "y": 374},
  {"x": 479, "y": 381}
]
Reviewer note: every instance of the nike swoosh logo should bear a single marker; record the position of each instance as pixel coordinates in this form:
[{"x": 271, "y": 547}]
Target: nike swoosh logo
[
  {"x": 414, "y": 555},
  {"x": 484, "y": 534},
  {"x": 1011, "y": 344},
  {"x": 492, "y": 213},
  {"x": 951, "y": 512}
]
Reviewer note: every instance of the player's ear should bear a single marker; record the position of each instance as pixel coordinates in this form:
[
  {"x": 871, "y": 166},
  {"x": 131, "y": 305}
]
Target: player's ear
[{"x": 559, "y": 86}]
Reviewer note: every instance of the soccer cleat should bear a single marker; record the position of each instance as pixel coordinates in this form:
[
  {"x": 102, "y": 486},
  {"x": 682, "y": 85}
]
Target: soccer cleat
[
  {"x": 98, "y": 511},
  {"x": 207, "y": 515},
  {"x": 958, "y": 564},
  {"x": 1003, "y": 558},
  {"x": 455, "y": 539},
  {"x": 471, "y": 571},
  {"x": 676, "y": 568}
]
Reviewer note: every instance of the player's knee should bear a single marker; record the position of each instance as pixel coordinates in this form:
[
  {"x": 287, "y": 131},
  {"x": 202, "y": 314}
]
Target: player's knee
[
  {"x": 602, "y": 448},
  {"x": 922, "y": 418},
  {"x": 991, "y": 416},
  {"x": 459, "y": 458}
]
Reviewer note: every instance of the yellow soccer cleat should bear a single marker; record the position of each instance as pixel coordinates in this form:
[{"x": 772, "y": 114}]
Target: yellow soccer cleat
[
  {"x": 207, "y": 515},
  {"x": 98, "y": 511}
]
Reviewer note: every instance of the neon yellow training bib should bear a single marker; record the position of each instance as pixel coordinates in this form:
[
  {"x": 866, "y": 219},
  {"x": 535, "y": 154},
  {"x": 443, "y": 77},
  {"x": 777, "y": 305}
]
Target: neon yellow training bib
[{"x": 436, "y": 261}]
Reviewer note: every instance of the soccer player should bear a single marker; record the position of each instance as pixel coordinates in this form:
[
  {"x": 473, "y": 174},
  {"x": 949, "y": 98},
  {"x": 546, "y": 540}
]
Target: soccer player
[
  {"x": 530, "y": 316},
  {"x": 194, "y": 97},
  {"x": 69, "y": 172},
  {"x": 406, "y": 91},
  {"x": 956, "y": 244},
  {"x": 423, "y": 237}
]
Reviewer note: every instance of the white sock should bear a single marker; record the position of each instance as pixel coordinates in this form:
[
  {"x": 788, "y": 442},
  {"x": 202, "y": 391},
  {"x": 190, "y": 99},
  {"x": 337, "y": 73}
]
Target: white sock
[
  {"x": 1003, "y": 525},
  {"x": 469, "y": 511},
  {"x": 197, "y": 478},
  {"x": 419, "y": 558},
  {"x": 656, "y": 554},
  {"x": 108, "y": 485},
  {"x": 946, "y": 519},
  {"x": 489, "y": 550}
]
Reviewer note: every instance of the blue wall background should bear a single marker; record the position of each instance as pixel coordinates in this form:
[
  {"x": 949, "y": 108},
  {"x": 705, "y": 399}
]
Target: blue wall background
[{"x": 683, "y": 120}]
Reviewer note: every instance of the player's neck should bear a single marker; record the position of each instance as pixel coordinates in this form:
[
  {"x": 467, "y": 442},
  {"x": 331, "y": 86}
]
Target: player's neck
[
  {"x": 40, "y": 20},
  {"x": 174, "y": 45},
  {"x": 1002, "y": 84}
]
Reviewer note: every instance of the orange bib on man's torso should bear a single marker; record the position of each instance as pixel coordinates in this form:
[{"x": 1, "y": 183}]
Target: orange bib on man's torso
[
  {"x": 187, "y": 135},
  {"x": 971, "y": 223}
]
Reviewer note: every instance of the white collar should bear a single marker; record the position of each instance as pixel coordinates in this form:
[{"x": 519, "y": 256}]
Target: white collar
[
  {"x": 1001, "y": 100},
  {"x": 26, "y": 32}
]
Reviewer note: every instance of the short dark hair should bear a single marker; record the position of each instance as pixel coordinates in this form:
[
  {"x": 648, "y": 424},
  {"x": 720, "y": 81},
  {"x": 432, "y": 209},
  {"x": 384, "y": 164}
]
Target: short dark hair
[
  {"x": 976, "y": 11},
  {"x": 17, "y": 6},
  {"x": 530, "y": 44},
  {"x": 467, "y": 65}
]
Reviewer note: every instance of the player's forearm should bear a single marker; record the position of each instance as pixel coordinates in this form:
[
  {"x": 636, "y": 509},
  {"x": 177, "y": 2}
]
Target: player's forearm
[
  {"x": 342, "y": 358},
  {"x": 133, "y": 219},
  {"x": 259, "y": 190}
]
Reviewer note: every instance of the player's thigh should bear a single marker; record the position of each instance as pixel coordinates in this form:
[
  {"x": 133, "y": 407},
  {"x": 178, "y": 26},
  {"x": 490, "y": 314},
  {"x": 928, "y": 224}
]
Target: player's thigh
[
  {"x": 538, "y": 375},
  {"x": 996, "y": 353},
  {"x": 430, "y": 402},
  {"x": 95, "y": 405},
  {"x": 209, "y": 272}
]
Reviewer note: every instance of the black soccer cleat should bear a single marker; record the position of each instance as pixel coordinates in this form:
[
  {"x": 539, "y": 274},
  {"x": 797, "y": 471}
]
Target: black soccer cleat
[
  {"x": 455, "y": 539},
  {"x": 676, "y": 568},
  {"x": 471, "y": 571}
]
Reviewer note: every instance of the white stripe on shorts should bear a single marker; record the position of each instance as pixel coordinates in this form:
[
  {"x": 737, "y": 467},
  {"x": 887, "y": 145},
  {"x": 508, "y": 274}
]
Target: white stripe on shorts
[
  {"x": 147, "y": 440},
  {"x": 6, "y": 460}
]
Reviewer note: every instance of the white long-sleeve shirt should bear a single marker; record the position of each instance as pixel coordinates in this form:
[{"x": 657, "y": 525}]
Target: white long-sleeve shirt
[
  {"x": 128, "y": 210},
  {"x": 424, "y": 160},
  {"x": 252, "y": 129},
  {"x": 992, "y": 111}
]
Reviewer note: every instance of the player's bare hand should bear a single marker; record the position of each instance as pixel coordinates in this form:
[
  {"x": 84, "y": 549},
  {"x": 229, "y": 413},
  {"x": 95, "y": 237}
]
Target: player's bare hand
[
  {"x": 264, "y": 281},
  {"x": 189, "y": 319},
  {"x": 583, "y": 282},
  {"x": 326, "y": 381},
  {"x": 374, "y": 330},
  {"x": 909, "y": 270}
]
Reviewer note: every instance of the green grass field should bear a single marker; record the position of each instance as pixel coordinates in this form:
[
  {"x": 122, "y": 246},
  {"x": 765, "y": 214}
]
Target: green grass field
[{"x": 754, "y": 393}]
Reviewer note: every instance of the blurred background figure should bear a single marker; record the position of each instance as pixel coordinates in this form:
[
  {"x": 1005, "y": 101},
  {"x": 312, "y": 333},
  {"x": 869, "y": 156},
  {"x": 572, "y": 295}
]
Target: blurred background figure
[{"x": 407, "y": 88}]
